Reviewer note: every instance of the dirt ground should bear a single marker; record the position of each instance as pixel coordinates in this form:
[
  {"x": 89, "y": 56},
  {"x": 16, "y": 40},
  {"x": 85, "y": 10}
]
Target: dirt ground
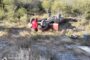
[{"x": 21, "y": 44}]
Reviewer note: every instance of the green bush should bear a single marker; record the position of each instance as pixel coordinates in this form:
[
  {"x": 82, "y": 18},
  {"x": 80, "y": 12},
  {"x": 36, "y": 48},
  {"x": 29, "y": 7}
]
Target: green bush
[
  {"x": 76, "y": 12},
  {"x": 1, "y": 13},
  {"x": 67, "y": 10},
  {"x": 6, "y": 2},
  {"x": 87, "y": 16},
  {"x": 46, "y": 4},
  {"x": 21, "y": 12},
  {"x": 57, "y": 6},
  {"x": 19, "y": 8}
]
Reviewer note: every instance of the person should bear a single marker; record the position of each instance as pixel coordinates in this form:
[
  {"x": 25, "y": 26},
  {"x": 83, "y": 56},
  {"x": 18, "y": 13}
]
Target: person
[
  {"x": 59, "y": 18},
  {"x": 29, "y": 24},
  {"x": 44, "y": 25},
  {"x": 34, "y": 24}
]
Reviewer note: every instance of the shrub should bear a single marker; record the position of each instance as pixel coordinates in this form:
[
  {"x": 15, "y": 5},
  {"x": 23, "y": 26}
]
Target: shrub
[
  {"x": 1, "y": 13},
  {"x": 87, "y": 16},
  {"x": 6, "y": 2},
  {"x": 21, "y": 11}
]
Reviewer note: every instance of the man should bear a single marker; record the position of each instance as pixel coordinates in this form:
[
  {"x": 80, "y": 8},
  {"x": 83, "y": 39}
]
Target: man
[
  {"x": 44, "y": 25},
  {"x": 34, "y": 24},
  {"x": 59, "y": 18}
]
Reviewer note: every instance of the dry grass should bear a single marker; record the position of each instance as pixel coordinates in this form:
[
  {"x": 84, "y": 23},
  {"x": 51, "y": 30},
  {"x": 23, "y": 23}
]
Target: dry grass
[
  {"x": 24, "y": 33},
  {"x": 41, "y": 16},
  {"x": 9, "y": 24},
  {"x": 81, "y": 26},
  {"x": 3, "y": 33}
]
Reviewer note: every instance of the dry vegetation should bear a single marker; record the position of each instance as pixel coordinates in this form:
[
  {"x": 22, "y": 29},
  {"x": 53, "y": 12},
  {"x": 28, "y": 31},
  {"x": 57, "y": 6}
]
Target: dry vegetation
[
  {"x": 52, "y": 40},
  {"x": 13, "y": 23},
  {"x": 80, "y": 27}
]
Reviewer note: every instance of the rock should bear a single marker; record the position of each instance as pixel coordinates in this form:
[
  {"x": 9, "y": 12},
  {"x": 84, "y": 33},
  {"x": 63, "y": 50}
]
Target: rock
[{"x": 85, "y": 49}]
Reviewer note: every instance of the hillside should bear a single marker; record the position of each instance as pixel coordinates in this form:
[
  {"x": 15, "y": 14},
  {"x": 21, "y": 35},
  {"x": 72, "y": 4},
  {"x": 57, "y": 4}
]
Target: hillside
[{"x": 71, "y": 41}]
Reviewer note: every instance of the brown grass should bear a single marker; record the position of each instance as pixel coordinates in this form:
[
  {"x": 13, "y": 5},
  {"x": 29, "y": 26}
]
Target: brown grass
[{"x": 3, "y": 33}]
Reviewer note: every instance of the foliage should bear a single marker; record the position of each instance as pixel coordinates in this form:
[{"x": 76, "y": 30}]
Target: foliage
[
  {"x": 46, "y": 4},
  {"x": 57, "y": 6},
  {"x": 6, "y": 2},
  {"x": 21, "y": 12},
  {"x": 1, "y": 13},
  {"x": 19, "y": 8},
  {"x": 25, "y": 1},
  {"x": 82, "y": 6},
  {"x": 87, "y": 16}
]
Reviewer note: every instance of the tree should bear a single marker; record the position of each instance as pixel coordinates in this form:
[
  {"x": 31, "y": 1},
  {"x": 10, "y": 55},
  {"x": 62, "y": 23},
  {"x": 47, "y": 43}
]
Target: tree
[
  {"x": 7, "y": 2},
  {"x": 47, "y": 5},
  {"x": 21, "y": 11},
  {"x": 57, "y": 6}
]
